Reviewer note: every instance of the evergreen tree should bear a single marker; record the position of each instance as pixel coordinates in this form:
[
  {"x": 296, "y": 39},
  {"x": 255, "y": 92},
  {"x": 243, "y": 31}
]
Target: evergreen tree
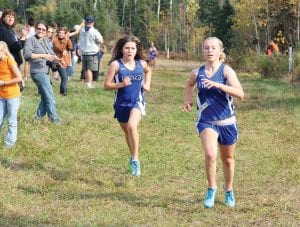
[
  {"x": 7, "y": 4},
  {"x": 209, "y": 14},
  {"x": 224, "y": 24}
]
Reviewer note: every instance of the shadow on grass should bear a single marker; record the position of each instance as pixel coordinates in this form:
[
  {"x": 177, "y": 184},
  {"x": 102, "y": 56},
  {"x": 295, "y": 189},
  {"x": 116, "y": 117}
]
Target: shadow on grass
[
  {"x": 133, "y": 200},
  {"x": 140, "y": 200},
  {"x": 17, "y": 220},
  {"x": 16, "y": 165},
  {"x": 19, "y": 165}
]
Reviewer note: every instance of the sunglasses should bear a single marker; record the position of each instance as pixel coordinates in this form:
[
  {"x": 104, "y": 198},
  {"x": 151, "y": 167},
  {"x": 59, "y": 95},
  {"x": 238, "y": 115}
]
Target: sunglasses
[{"x": 41, "y": 29}]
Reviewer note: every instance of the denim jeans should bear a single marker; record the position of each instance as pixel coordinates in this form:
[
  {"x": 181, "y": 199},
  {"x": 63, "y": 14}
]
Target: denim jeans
[
  {"x": 63, "y": 72},
  {"x": 47, "y": 103},
  {"x": 9, "y": 108},
  {"x": 71, "y": 68}
]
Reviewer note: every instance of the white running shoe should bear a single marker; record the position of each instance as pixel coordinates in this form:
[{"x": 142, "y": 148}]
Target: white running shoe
[{"x": 89, "y": 85}]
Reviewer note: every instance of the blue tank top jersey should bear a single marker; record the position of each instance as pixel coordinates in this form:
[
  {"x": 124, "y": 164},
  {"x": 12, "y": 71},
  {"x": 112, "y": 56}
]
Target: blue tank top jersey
[
  {"x": 133, "y": 93},
  {"x": 213, "y": 104},
  {"x": 152, "y": 54}
]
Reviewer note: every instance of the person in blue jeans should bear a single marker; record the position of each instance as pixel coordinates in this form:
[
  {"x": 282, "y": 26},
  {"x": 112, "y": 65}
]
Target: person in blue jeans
[
  {"x": 38, "y": 52},
  {"x": 217, "y": 84},
  {"x": 10, "y": 94},
  {"x": 62, "y": 46}
]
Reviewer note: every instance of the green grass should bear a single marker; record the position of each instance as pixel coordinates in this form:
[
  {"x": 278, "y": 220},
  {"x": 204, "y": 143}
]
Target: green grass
[{"x": 77, "y": 174}]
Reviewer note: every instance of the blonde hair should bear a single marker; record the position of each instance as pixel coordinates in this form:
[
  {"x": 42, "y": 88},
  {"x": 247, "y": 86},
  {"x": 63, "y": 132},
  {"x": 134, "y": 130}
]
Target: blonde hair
[
  {"x": 4, "y": 48},
  {"x": 222, "y": 57}
]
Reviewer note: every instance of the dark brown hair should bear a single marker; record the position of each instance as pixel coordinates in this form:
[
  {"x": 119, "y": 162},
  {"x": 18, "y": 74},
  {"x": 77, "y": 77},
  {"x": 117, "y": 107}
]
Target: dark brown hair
[
  {"x": 62, "y": 29},
  {"x": 117, "y": 51},
  {"x": 8, "y": 12},
  {"x": 41, "y": 22}
]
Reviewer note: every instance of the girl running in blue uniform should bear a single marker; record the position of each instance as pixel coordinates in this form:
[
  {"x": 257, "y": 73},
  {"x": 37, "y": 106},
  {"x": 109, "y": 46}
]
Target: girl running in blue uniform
[
  {"x": 152, "y": 55},
  {"x": 216, "y": 123},
  {"x": 130, "y": 75}
]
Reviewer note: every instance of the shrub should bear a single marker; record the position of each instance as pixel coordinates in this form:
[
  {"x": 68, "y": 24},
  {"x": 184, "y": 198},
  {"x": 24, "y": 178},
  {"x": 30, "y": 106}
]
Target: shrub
[{"x": 275, "y": 66}]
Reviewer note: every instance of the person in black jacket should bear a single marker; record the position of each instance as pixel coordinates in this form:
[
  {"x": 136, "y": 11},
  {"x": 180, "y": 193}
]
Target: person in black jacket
[{"x": 8, "y": 35}]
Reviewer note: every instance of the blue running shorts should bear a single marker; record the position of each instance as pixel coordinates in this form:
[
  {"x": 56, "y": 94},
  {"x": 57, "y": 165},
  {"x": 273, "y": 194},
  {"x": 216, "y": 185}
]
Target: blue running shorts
[
  {"x": 228, "y": 134},
  {"x": 122, "y": 113}
]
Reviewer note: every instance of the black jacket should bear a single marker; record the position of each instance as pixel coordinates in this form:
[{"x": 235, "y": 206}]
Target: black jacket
[{"x": 14, "y": 44}]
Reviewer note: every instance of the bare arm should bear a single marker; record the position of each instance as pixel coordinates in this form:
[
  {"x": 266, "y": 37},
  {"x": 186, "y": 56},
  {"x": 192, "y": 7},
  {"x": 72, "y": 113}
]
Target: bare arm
[
  {"x": 148, "y": 76},
  {"x": 109, "y": 83},
  {"x": 233, "y": 86},
  {"x": 189, "y": 90},
  {"x": 76, "y": 32}
]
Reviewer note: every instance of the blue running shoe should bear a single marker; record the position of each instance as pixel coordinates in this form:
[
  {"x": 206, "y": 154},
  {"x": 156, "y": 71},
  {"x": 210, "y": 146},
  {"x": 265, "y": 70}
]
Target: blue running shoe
[
  {"x": 135, "y": 167},
  {"x": 209, "y": 201},
  {"x": 229, "y": 198}
]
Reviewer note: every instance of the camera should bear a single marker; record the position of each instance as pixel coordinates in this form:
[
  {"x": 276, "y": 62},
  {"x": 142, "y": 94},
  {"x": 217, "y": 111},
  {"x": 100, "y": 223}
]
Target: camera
[{"x": 52, "y": 65}]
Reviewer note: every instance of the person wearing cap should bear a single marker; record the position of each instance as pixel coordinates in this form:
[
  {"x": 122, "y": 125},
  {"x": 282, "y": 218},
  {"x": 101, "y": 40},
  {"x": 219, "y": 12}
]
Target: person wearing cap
[{"x": 89, "y": 45}]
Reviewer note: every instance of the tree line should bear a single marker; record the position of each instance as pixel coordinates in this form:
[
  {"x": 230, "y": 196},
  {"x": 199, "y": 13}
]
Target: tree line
[{"x": 177, "y": 26}]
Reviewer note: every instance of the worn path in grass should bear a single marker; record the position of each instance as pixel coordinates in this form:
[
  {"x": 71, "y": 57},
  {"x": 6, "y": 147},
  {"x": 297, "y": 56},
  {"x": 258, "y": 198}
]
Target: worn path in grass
[{"x": 77, "y": 174}]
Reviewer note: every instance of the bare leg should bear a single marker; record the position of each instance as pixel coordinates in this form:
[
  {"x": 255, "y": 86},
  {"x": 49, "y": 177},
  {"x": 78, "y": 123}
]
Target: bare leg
[
  {"x": 131, "y": 132},
  {"x": 227, "y": 157},
  {"x": 209, "y": 141},
  {"x": 124, "y": 128},
  {"x": 154, "y": 63},
  {"x": 88, "y": 76}
]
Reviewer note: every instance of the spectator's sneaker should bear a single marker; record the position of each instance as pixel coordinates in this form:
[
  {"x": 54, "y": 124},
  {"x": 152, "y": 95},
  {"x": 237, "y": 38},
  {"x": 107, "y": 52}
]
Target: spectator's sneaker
[
  {"x": 89, "y": 85},
  {"x": 229, "y": 198},
  {"x": 57, "y": 122},
  {"x": 56, "y": 76},
  {"x": 209, "y": 201},
  {"x": 9, "y": 145},
  {"x": 135, "y": 167}
]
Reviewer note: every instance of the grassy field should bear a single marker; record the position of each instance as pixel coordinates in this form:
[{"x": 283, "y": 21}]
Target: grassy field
[{"x": 77, "y": 174}]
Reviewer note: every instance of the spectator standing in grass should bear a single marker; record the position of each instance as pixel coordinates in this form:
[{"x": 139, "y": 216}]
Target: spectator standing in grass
[
  {"x": 51, "y": 33},
  {"x": 97, "y": 73},
  {"x": 89, "y": 44},
  {"x": 130, "y": 75},
  {"x": 217, "y": 83},
  {"x": 73, "y": 55},
  {"x": 30, "y": 32},
  {"x": 10, "y": 76},
  {"x": 62, "y": 46},
  {"x": 38, "y": 52},
  {"x": 102, "y": 51},
  {"x": 8, "y": 35}
]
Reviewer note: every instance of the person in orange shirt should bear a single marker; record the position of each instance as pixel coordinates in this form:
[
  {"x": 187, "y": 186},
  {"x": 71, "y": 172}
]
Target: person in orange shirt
[
  {"x": 274, "y": 47},
  {"x": 10, "y": 76},
  {"x": 62, "y": 46}
]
